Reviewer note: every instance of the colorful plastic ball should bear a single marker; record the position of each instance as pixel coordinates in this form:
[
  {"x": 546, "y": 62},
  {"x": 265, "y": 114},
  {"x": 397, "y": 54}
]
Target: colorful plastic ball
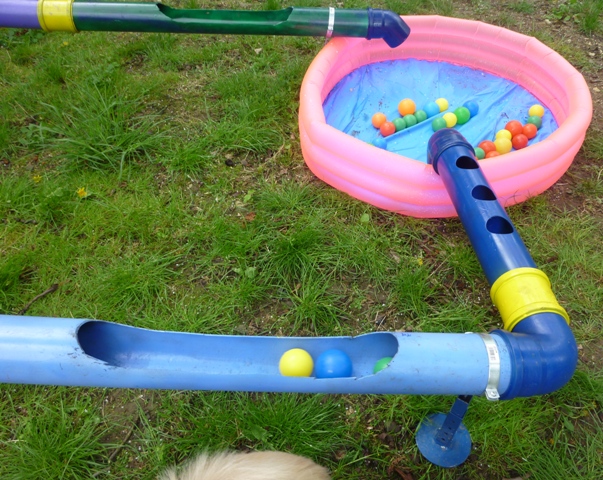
[
  {"x": 431, "y": 109},
  {"x": 503, "y": 145},
  {"x": 463, "y": 115},
  {"x": 519, "y": 141},
  {"x": 530, "y": 130},
  {"x": 380, "y": 142},
  {"x": 378, "y": 119},
  {"x": 442, "y": 103},
  {"x": 487, "y": 146},
  {"x": 399, "y": 123},
  {"x": 407, "y": 107},
  {"x": 450, "y": 119},
  {"x": 410, "y": 120},
  {"x": 514, "y": 126},
  {"x": 479, "y": 153},
  {"x": 492, "y": 154},
  {"x": 381, "y": 364},
  {"x": 504, "y": 133},
  {"x": 387, "y": 129},
  {"x": 333, "y": 364},
  {"x": 296, "y": 363},
  {"x": 536, "y": 120},
  {"x": 472, "y": 106},
  {"x": 438, "y": 124},
  {"x": 537, "y": 110},
  {"x": 421, "y": 116}
]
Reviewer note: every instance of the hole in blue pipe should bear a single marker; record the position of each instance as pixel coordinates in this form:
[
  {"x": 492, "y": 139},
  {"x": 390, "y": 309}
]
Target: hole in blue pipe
[
  {"x": 481, "y": 192},
  {"x": 466, "y": 163},
  {"x": 499, "y": 225},
  {"x": 138, "y": 348}
]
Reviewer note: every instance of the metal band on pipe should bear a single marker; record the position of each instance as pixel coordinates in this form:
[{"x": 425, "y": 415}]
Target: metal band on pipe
[
  {"x": 331, "y": 22},
  {"x": 493, "y": 367}
]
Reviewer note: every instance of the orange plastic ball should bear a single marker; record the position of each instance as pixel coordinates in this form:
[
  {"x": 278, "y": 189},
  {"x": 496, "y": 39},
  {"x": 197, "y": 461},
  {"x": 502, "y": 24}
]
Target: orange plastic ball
[
  {"x": 378, "y": 119},
  {"x": 487, "y": 146},
  {"x": 493, "y": 153},
  {"x": 514, "y": 126},
  {"x": 530, "y": 130},
  {"x": 520, "y": 141},
  {"x": 407, "y": 107},
  {"x": 387, "y": 129}
]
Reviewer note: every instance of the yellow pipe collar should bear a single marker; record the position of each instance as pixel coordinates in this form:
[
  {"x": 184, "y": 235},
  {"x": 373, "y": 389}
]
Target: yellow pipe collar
[
  {"x": 522, "y": 292},
  {"x": 56, "y": 15}
]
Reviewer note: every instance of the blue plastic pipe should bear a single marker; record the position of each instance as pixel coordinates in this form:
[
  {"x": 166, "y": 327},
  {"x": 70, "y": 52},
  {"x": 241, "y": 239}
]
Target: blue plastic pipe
[
  {"x": 542, "y": 347},
  {"x": 74, "y": 352},
  {"x": 538, "y": 356}
]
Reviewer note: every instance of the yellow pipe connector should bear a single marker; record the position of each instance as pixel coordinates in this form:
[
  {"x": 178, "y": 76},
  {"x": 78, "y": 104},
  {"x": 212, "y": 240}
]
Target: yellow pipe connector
[
  {"x": 56, "y": 15},
  {"x": 522, "y": 292}
]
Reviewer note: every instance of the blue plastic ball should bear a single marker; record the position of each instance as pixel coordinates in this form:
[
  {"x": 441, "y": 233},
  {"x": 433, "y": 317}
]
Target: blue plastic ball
[
  {"x": 472, "y": 106},
  {"x": 431, "y": 109},
  {"x": 333, "y": 364},
  {"x": 380, "y": 143}
]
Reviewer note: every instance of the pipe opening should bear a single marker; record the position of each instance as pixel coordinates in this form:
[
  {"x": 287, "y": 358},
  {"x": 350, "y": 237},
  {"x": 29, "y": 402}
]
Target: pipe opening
[
  {"x": 129, "y": 347},
  {"x": 466, "y": 163},
  {"x": 499, "y": 225},
  {"x": 481, "y": 192}
]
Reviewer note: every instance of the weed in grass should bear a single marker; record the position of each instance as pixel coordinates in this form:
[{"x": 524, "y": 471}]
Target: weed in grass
[
  {"x": 315, "y": 306},
  {"x": 56, "y": 440},
  {"x": 585, "y": 13},
  {"x": 522, "y": 6},
  {"x": 307, "y": 425},
  {"x": 102, "y": 130}
]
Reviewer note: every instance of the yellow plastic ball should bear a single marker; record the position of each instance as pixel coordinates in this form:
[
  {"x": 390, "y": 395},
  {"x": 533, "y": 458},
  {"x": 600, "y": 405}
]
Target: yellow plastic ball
[
  {"x": 296, "y": 363},
  {"x": 536, "y": 110},
  {"x": 442, "y": 103},
  {"x": 504, "y": 133},
  {"x": 503, "y": 145},
  {"x": 406, "y": 107},
  {"x": 450, "y": 119}
]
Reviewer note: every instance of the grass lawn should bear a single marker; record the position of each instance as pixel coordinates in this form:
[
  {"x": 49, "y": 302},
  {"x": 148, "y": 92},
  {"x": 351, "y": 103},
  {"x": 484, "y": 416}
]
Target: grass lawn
[{"x": 156, "y": 180}]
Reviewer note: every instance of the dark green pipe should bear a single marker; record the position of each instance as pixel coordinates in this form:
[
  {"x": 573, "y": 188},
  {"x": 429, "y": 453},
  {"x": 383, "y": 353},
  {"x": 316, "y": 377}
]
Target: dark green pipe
[{"x": 156, "y": 17}]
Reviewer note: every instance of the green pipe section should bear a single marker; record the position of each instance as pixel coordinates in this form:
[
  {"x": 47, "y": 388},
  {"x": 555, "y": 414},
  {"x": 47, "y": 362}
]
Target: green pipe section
[{"x": 155, "y": 17}]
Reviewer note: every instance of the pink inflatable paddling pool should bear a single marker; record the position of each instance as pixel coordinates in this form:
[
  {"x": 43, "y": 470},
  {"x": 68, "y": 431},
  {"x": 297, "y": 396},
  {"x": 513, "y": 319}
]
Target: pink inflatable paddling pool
[{"x": 405, "y": 185}]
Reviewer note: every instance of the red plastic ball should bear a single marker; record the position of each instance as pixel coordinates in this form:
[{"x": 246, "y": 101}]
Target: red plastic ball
[
  {"x": 387, "y": 128},
  {"x": 530, "y": 130},
  {"x": 520, "y": 141},
  {"x": 514, "y": 126},
  {"x": 493, "y": 153},
  {"x": 487, "y": 146}
]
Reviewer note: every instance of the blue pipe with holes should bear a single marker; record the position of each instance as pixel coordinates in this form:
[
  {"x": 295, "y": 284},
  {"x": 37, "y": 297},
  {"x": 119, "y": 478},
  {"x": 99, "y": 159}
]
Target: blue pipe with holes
[{"x": 542, "y": 347}]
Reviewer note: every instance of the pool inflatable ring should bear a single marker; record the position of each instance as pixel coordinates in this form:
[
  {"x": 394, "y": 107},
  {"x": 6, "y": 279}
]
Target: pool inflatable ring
[{"x": 407, "y": 186}]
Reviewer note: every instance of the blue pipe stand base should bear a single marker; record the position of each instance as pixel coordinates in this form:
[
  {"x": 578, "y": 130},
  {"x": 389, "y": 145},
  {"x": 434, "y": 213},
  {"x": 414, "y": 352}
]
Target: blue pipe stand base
[{"x": 448, "y": 455}]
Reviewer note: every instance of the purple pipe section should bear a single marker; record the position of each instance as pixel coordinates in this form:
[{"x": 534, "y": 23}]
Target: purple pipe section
[{"x": 19, "y": 14}]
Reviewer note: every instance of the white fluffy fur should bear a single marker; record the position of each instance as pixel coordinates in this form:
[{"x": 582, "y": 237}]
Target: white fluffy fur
[{"x": 249, "y": 466}]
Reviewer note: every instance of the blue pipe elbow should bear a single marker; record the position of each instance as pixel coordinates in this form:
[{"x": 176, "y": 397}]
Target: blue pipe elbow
[
  {"x": 544, "y": 355},
  {"x": 387, "y": 25},
  {"x": 541, "y": 346}
]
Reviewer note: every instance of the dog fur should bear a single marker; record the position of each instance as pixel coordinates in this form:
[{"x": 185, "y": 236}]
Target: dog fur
[{"x": 249, "y": 466}]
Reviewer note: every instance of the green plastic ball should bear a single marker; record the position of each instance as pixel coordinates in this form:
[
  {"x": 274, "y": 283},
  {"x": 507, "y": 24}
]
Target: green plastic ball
[
  {"x": 536, "y": 120},
  {"x": 438, "y": 124},
  {"x": 462, "y": 115},
  {"x": 479, "y": 153},
  {"x": 381, "y": 364},
  {"x": 410, "y": 120},
  {"x": 421, "y": 116},
  {"x": 399, "y": 123}
]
